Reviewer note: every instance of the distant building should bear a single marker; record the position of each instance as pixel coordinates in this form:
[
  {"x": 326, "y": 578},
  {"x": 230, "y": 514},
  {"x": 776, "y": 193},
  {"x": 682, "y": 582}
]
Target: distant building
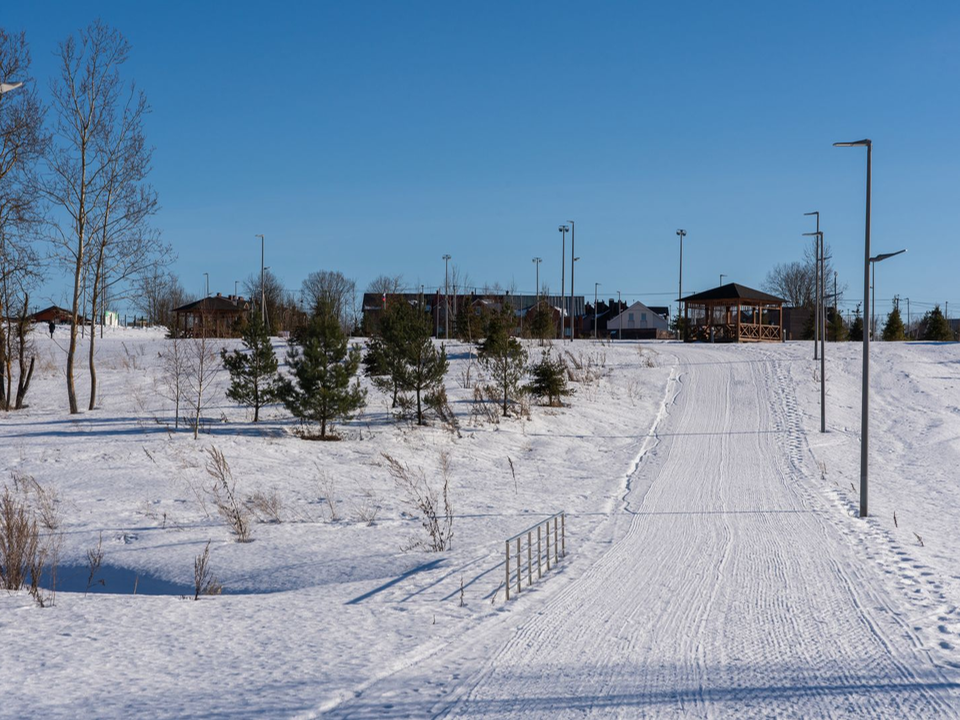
[
  {"x": 638, "y": 321},
  {"x": 55, "y": 314},
  {"x": 214, "y": 316}
]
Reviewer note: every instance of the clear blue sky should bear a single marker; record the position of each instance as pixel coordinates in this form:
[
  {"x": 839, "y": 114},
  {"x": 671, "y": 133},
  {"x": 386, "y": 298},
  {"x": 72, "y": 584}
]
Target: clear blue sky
[{"x": 373, "y": 137}]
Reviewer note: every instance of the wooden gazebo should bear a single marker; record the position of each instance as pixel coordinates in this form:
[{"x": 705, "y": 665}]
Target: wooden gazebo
[
  {"x": 214, "y": 316},
  {"x": 734, "y": 313}
]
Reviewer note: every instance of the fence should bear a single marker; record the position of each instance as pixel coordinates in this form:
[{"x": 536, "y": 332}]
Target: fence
[{"x": 514, "y": 546}]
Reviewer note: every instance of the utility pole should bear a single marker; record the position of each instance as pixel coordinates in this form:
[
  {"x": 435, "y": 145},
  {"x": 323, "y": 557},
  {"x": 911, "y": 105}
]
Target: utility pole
[
  {"x": 206, "y": 277},
  {"x": 563, "y": 279},
  {"x": 908, "y": 315},
  {"x": 446, "y": 297},
  {"x": 595, "y": 287},
  {"x": 573, "y": 265},
  {"x": 681, "y": 233}
]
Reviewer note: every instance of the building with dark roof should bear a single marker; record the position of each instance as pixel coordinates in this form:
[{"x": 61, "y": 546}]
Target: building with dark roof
[{"x": 214, "y": 316}]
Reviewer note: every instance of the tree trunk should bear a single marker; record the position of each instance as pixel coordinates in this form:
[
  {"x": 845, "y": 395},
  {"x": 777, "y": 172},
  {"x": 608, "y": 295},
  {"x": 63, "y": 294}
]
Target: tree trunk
[{"x": 93, "y": 335}]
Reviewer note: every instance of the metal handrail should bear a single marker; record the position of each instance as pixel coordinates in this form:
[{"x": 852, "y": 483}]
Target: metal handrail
[{"x": 514, "y": 544}]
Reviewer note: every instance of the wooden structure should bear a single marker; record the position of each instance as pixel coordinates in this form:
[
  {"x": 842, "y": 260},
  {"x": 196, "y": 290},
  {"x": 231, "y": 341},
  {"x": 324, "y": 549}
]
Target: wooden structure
[
  {"x": 733, "y": 313},
  {"x": 214, "y": 316},
  {"x": 55, "y": 314}
]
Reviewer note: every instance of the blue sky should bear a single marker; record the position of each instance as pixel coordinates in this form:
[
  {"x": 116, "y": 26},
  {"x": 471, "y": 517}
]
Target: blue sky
[{"x": 373, "y": 137}]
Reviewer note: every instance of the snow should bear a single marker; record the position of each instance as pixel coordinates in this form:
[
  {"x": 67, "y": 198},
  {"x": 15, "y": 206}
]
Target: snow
[{"x": 715, "y": 564}]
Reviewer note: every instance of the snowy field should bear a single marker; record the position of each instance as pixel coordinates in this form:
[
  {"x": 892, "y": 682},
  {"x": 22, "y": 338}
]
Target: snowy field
[{"x": 716, "y": 566}]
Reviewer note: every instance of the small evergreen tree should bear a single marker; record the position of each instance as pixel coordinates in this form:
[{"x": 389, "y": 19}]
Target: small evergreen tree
[
  {"x": 423, "y": 367},
  {"x": 504, "y": 357},
  {"x": 384, "y": 359},
  {"x": 856, "y": 327},
  {"x": 893, "y": 330},
  {"x": 323, "y": 366},
  {"x": 542, "y": 325},
  {"x": 837, "y": 328},
  {"x": 936, "y": 327},
  {"x": 253, "y": 371},
  {"x": 549, "y": 380},
  {"x": 808, "y": 331}
]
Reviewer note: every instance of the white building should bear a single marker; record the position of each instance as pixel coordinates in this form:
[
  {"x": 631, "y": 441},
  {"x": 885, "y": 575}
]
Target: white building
[{"x": 637, "y": 321}]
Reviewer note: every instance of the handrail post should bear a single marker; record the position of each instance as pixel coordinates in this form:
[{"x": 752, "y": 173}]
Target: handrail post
[
  {"x": 548, "y": 544},
  {"x": 563, "y": 533},
  {"x": 519, "y": 567},
  {"x": 539, "y": 554},
  {"x": 530, "y": 557},
  {"x": 507, "y": 583},
  {"x": 556, "y": 551}
]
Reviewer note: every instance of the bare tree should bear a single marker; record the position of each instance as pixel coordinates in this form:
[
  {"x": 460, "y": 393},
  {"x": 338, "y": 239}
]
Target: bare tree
[
  {"x": 88, "y": 106},
  {"x": 21, "y": 146},
  {"x": 201, "y": 364},
  {"x": 121, "y": 244},
  {"x": 273, "y": 293},
  {"x": 157, "y": 294},
  {"x": 796, "y": 281},
  {"x": 332, "y": 288},
  {"x": 386, "y": 284}
]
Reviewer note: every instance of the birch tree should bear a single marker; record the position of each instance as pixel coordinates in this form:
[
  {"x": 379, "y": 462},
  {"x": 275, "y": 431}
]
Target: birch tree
[{"x": 88, "y": 103}]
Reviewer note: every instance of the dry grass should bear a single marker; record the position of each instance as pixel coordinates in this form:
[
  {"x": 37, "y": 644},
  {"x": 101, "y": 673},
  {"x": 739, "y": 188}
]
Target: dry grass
[
  {"x": 266, "y": 507},
  {"x": 224, "y": 492},
  {"x": 430, "y": 503},
  {"x": 204, "y": 582}
]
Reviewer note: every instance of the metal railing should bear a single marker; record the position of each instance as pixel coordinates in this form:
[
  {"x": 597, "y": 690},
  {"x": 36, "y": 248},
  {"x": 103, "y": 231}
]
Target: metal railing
[{"x": 540, "y": 545}]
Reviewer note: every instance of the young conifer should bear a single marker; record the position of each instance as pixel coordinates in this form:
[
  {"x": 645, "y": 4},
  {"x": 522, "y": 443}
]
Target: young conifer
[
  {"x": 893, "y": 330},
  {"x": 323, "y": 389},
  {"x": 936, "y": 327},
  {"x": 504, "y": 357},
  {"x": 549, "y": 380},
  {"x": 253, "y": 370}
]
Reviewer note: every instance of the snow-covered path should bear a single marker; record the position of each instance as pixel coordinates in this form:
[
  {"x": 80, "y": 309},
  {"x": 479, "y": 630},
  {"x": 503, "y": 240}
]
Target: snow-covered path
[{"x": 730, "y": 588}]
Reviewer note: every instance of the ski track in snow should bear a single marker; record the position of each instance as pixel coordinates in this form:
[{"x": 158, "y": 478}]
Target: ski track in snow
[{"x": 733, "y": 587}]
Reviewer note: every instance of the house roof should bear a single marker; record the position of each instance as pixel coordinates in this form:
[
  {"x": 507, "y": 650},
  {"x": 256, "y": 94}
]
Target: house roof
[
  {"x": 214, "y": 303},
  {"x": 733, "y": 291}
]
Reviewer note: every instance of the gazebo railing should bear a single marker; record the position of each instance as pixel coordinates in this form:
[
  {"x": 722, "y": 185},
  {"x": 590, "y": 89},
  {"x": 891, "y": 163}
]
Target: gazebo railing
[{"x": 536, "y": 551}]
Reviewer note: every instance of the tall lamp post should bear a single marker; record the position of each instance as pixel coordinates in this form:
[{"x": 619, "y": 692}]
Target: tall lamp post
[
  {"x": 563, "y": 279},
  {"x": 596, "y": 286},
  {"x": 7, "y": 87},
  {"x": 873, "y": 308},
  {"x": 818, "y": 288},
  {"x": 619, "y": 317},
  {"x": 206, "y": 280},
  {"x": 823, "y": 348},
  {"x": 573, "y": 265},
  {"x": 865, "y": 397},
  {"x": 263, "y": 290},
  {"x": 537, "y": 261},
  {"x": 681, "y": 233},
  {"x": 722, "y": 276},
  {"x": 446, "y": 297}
]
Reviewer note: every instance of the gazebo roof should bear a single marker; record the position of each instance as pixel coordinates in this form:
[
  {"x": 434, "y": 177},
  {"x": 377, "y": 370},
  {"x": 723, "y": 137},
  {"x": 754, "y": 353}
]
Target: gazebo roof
[
  {"x": 733, "y": 291},
  {"x": 214, "y": 303}
]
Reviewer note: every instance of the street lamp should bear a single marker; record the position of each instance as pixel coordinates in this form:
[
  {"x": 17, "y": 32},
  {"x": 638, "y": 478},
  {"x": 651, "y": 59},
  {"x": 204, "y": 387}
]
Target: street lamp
[
  {"x": 537, "y": 261},
  {"x": 873, "y": 308},
  {"x": 817, "y": 285},
  {"x": 236, "y": 290},
  {"x": 207, "y": 283},
  {"x": 563, "y": 280},
  {"x": 446, "y": 297},
  {"x": 595, "y": 288},
  {"x": 722, "y": 276},
  {"x": 573, "y": 264},
  {"x": 681, "y": 234},
  {"x": 865, "y": 397},
  {"x": 619, "y": 317},
  {"x": 823, "y": 348},
  {"x": 7, "y": 87},
  {"x": 263, "y": 291}
]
